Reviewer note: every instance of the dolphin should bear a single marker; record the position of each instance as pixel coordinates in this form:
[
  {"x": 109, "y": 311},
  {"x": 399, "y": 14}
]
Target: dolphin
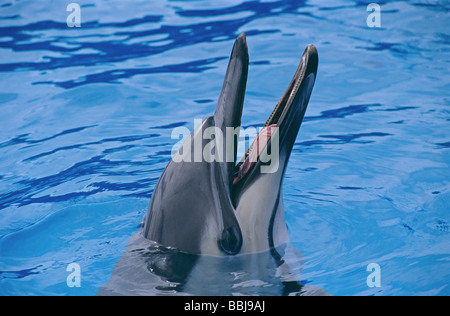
[
  {"x": 230, "y": 207},
  {"x": 222, "y": 221}
]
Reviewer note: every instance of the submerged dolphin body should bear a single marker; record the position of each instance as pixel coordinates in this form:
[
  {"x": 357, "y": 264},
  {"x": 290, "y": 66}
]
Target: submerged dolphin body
[
  {"x": 218, "y": 228},
  {"x": 219, "y": 207}
]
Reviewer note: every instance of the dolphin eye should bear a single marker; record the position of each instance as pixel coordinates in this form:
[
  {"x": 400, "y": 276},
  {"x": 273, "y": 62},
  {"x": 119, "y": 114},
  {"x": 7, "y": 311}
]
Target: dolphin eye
[{"x": 230, "y": 241}]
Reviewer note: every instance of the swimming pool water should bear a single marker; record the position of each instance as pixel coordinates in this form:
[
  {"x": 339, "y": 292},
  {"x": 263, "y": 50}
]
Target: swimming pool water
[{"x": 87, "y": 115}]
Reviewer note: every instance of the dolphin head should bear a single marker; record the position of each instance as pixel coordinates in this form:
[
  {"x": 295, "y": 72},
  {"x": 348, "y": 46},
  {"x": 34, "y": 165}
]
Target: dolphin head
[{"x": 208, "y": 202}]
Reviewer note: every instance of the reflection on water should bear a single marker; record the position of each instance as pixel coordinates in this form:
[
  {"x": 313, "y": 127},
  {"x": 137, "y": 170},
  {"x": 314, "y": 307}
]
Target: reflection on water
[{"x": 147, "y": 268}]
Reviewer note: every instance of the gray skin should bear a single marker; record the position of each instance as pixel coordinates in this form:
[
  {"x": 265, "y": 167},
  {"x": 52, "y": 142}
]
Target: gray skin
[
  {"x": 204, "y": 235},
  {"x": 196, "y": 208}
]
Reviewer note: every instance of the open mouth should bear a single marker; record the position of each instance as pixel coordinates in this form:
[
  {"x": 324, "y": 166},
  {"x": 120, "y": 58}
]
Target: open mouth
[{"x": 278, "y": 117}]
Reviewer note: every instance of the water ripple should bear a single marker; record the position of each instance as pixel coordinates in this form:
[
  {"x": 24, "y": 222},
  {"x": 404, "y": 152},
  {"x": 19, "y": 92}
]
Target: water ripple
[
  {"x": 95, "y": 166},
  {"x": 343, "y": 139},
  {"x": 20, "y": 274},
  {"x": 113, "y": 76},
  {"x": 342, "y": 112},
  {"x": 23, "y": 139},
  {"x": 121, "y": 50},
  {"x": 121, "y": 139}
]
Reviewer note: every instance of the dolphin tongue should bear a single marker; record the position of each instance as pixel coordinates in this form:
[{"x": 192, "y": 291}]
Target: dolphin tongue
[{"x": 255, "y": 150}]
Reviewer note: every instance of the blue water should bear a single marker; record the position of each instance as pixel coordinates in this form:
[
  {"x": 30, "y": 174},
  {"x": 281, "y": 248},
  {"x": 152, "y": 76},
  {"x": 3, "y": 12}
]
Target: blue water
[{"x": 87, "y": 114}]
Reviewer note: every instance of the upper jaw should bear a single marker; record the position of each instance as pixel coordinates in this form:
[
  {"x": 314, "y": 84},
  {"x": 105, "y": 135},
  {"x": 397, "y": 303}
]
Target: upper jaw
[
  {"x": 230, "y": 104},
  {"x": 231, "y": 100}
]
